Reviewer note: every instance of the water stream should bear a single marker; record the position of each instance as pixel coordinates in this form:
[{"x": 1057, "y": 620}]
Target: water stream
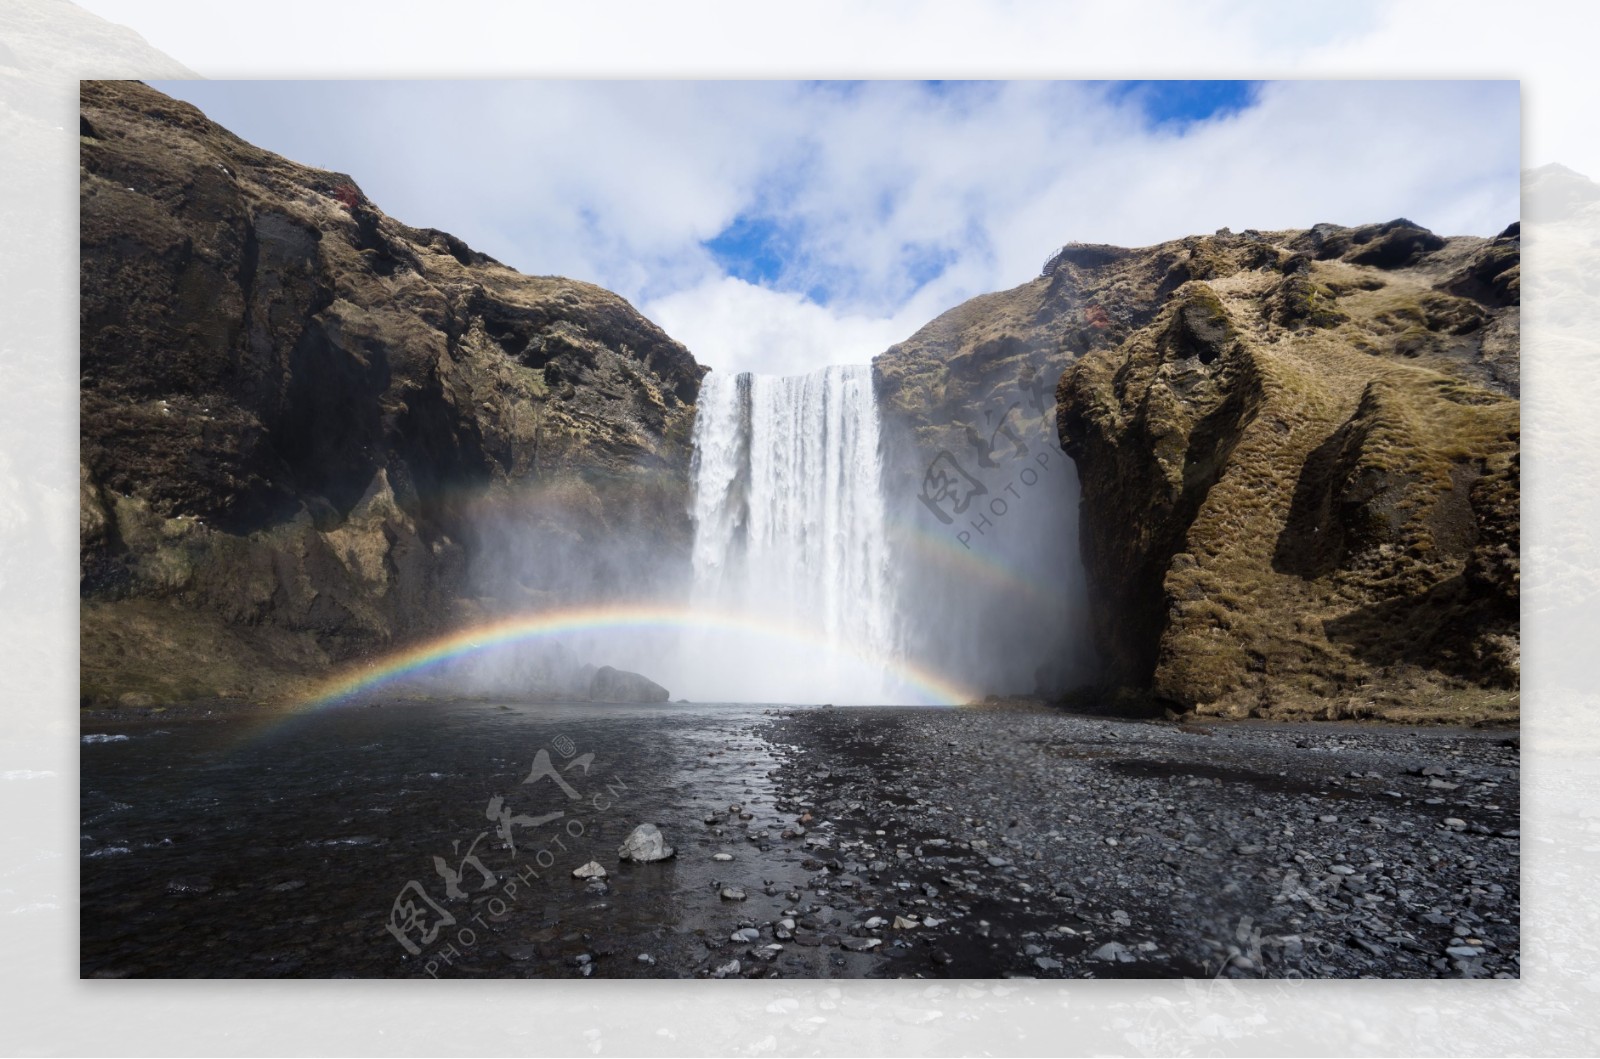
[{"x": 791, "y": 531}]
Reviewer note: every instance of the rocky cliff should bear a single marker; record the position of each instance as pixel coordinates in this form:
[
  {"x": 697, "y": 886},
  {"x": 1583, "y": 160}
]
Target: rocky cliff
[
  {"x": 1300, "y": 462},
  {"x": 1298, "y": 454},
  {"x": 311, "y": 432},
  {"x": 983, "y": 503},
  {"x": 302, "y": 420}
]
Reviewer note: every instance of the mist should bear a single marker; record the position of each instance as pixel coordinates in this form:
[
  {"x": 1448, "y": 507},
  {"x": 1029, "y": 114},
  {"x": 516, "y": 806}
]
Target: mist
[
  {"x": 822, "y": 550},
  {"x": 984, "y": 534}
]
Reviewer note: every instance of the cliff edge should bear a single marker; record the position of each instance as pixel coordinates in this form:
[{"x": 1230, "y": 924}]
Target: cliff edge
[{"x": 296, "y": 411}]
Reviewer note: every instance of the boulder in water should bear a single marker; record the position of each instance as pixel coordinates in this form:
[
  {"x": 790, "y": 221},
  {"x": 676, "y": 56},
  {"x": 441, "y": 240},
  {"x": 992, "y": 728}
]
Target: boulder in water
[
  {"x": 646, "y": 843},
  {"x": 618, "y": 685}
]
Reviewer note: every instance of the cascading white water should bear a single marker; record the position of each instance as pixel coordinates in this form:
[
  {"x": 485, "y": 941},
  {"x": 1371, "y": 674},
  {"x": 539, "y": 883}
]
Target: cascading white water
[{"x": 790, "y": 531}]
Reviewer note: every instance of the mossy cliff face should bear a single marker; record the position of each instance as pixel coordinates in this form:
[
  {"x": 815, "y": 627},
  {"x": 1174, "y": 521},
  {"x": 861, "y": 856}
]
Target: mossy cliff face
[
  {"x": 1301, "y": 473},
  {"x": 295, "y": 411}
]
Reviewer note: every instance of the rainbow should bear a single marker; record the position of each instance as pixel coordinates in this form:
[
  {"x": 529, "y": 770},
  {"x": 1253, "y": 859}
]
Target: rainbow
[
  {"x": 419, "y": 658},
  {"x": 973, "y": 565}
]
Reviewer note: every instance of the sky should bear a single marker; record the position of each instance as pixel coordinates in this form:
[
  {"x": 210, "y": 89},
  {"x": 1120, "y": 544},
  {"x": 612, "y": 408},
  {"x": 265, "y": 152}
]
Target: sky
[{"x": 781, "y": 226}]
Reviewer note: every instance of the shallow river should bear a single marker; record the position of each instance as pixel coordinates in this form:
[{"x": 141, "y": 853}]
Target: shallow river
[{"x": 308, "y": 846}]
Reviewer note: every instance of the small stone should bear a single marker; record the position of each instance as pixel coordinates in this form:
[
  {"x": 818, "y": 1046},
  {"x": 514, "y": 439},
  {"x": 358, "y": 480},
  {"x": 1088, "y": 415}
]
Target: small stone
[
  {"x": 722, "y": 856},
  {"x": 1112, "y": 952},
  {"x": 644, "y": 844},
  {"x": 647, "y": 959},
  {"x": 732, "y": 893},
  {"x": 727, "y": 970},
  {"x": 591, "y": 870},
  {"x": 1464, "y": 952},
  {"x": 1247, "y": 850},
  {"x": 860, "y": 944},
  {"x": 1455, "y": 823},
  {"x": 1328, "y": 818},
  {"x": 746, "y": 934},
  {"x": 192, "y": 884}
]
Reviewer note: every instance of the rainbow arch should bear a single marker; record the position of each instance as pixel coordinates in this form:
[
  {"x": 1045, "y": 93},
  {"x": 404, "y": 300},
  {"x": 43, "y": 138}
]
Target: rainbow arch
[{"x": 419, "y": 658}]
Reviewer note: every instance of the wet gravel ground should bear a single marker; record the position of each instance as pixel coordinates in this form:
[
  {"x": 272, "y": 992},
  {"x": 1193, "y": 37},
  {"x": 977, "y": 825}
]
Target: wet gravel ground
[
  {"x": 809, "y": 842},
  {"x": 964, "y": 843}
]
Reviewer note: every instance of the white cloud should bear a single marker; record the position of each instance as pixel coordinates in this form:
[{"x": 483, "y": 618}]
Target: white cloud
[
  {"x": 897, "y": 202},
  {"x": 737, "y": 326}
]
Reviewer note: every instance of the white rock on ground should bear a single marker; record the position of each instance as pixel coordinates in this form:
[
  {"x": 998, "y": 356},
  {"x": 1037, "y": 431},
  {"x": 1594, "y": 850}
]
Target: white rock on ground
[{"x": 646, "y": 843}]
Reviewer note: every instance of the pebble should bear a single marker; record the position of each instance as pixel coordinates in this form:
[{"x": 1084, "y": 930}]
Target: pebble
[
  {"x": 732, "y": 893},
  {"x": 644, "y": 843},
  {"x": 591, "y": 870},
  {"x": 1315, "y": 903},
  {"x": 722, "y": 856}
]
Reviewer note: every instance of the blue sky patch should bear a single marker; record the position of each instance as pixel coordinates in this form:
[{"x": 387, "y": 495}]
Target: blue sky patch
[
  {"x": 1178, "y": 104},
  {"x": 754, "y": 249}
]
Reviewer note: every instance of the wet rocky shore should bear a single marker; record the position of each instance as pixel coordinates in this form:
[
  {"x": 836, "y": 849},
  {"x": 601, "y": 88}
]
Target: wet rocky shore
[
  {"x": 984, "y": 843},
  {"x": 805, "y": 843}
]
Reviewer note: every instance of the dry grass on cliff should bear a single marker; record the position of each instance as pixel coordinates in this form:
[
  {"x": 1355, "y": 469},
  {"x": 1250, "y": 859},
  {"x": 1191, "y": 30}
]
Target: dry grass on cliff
[{"x": 1246, "y": 638}]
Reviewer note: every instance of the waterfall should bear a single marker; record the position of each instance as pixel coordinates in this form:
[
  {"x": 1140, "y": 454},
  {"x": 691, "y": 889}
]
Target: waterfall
[{"x": 790, "y": 530}]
